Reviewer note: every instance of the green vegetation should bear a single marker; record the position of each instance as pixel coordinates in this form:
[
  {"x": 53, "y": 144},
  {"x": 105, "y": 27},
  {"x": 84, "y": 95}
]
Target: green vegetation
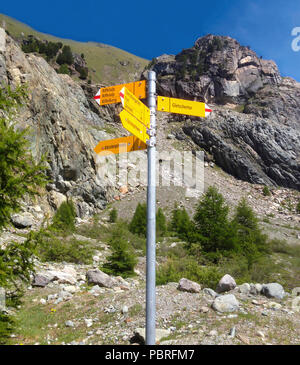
[
  {"x": 113, "y": 215},
  {"x": 122, "y": 260},
  {"x": 54, "y": 246},
  {"x": 161, "y": 225},
  {"x": 215, "y": 245},
  {"x": 65, "y": 57},
  {"x": 19, "y": 173},
  {"x": 266, "y": 191},
  {"x": 298, "y": 207},
  {"x": 63, "y": 69},
  {"x": 49, "y": 49},
  {"x": 64, "y": 218},
  {"x": 19, "y": 176},
  {"x": 138, "y": 224}
]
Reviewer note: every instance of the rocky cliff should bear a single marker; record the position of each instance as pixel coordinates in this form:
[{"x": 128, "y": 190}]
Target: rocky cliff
[
  {"x": 253, "y": 132},
  {"x": 64, "y": 125}
]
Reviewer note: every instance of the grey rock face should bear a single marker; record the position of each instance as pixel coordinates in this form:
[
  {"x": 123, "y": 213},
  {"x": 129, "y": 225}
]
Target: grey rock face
[
  {"x": 22, "y": 220},
  {"x": 65, "y": 126},
  {"x": 273, "y": 290},
  {"x": 189, "y": 286},
  {"x": 226, "y": 283},
  {"x": 98, "y": 277},
  {"x": 225, "y": 303},
  {"x": 260, "y": 144},
  {"x": 253, "y": 149}
]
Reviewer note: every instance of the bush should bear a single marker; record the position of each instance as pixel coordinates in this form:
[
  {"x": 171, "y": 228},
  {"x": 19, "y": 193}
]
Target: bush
[
  {"x": 138, "y": 224},
  {"x": 161, "y": 226},
  {"x": 65, "y": 56},
  {"x": 52, "y": 248},
  {"x": 266, "y": 191},
  {"x": 175, "y": 269},
  {"x": 298, "y": 207},
  {"x": 64, "y": 218},
  {"x": 83, "y": 73},
  {"x": 122, "y": 260},
  {"x": 113, "y": 215},
  {"x": 63, "y": 69}
]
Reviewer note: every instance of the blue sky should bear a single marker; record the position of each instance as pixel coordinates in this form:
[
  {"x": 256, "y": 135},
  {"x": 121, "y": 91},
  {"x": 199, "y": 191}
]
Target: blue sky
[{"x": 151, "y": 28}]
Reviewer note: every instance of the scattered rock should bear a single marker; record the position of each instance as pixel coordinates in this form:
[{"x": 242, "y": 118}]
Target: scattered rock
[
  {"x": 296, "y": 292},
  {"x": 225, "y": 284},
  {"x": 274, "y": 305},
  {"x": 188, "y": 286},
  {"x": 204, "y": 309},
  {"x": 243, "y": 338},
  {"x": 43, "y": 301},
  {"x": 210, "y": 292},
  {"x": 88, "y": 322},
  {"x": 40, "y": 281},
  {"x": 125, "y": 309},
  {"x": 296, "y": 304},
  {"x": 244, "y": 288},
  {"x": 232, "y": 332},
  {"x": 273, "y": 290},
  {"x": 23, "y": 220},
  {"x": 225, "y": 303},
  {"x": 69, "y": 324},
  {"x": 99, "y": 278}
]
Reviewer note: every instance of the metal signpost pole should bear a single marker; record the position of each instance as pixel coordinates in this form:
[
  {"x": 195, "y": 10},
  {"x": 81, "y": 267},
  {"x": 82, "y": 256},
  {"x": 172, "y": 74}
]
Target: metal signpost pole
[{"x": 151, "y": 213}]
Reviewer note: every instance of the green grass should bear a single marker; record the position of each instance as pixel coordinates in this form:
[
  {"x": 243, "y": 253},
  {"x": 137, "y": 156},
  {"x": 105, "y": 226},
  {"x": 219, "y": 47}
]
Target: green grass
[{"x": 104, "y": 59}]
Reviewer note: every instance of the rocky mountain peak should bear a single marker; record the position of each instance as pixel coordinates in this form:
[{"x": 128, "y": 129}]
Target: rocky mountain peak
[{"x": 216, "y": 69}]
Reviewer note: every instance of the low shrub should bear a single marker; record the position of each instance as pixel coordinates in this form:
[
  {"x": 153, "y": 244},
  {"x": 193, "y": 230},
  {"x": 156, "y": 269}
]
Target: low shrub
[
  {"x": 122, "y": 260},
  {"x": 64, "y": 218},
  {"x": 113, "y": 215},
  {"x": 175, "y": 269},
  {"x": 52, "y": 248}
]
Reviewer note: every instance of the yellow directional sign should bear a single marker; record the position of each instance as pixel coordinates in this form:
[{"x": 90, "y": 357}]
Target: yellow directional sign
[
  {"x": 134, "y": 126},
  {"x": 111, "y": 95},
  {"x": 120, "y": 145},
  {"x": 181, "y": 106},
  {"x": 135, "y": 107}
]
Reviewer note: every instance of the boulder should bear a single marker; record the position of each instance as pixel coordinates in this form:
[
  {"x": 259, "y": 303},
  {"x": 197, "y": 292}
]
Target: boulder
[
  {"x": 189, "y": 286},
  {"x": 244, "y": 288},
  {"x": 273, "y": 290},
  {"x": 225, "y": 303},
  {"x": 210, "y": 292},
  {"x": 40, "y": 280},
  {"x": 23, "y": 220},
  {"x": 225, "y": 284},
  {"x": 98, "y": 277}
]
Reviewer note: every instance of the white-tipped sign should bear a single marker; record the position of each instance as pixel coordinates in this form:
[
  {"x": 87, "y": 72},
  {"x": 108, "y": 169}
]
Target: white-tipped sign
[{"x": 97, "y": 97}]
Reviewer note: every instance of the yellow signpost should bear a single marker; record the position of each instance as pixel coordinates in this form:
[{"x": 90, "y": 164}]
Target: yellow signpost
[
  {"x": 111, "y": 95},
  {"x": 135, "y": 107},
  {"x": 134, "y": 126},
  {"x": 120, "y": 145},
  {"x": 180, "y": 106}
]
